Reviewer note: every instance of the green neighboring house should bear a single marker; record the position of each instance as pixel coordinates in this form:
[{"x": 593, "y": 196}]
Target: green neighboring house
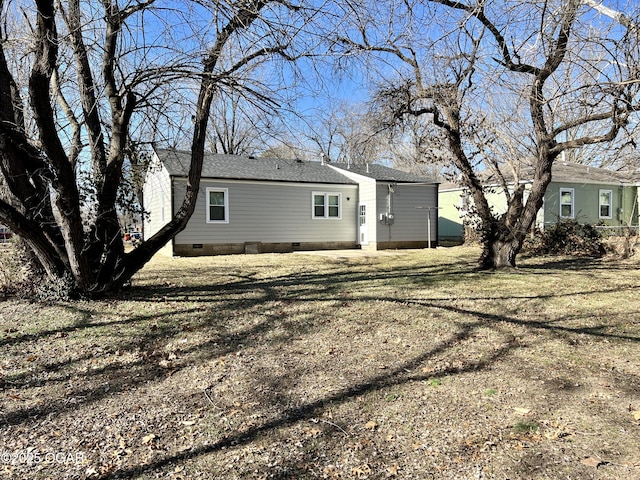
[{"x": 577, "y": 192}]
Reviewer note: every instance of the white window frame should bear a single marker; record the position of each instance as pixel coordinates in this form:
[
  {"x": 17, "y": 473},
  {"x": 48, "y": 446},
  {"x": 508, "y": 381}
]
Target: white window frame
[
  {"x": 610, "y": 204},
  {"x": 225, "y": 191},
  {"x": 326, "y": 196},
  {"x": 573, "y": 201}
]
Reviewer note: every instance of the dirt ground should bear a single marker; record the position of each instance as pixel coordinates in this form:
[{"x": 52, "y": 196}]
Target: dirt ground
[{"x": 405, "y": 366}]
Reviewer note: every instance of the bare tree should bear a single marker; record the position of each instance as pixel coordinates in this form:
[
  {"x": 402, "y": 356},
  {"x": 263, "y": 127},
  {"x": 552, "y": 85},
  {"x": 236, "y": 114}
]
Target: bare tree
[
  {"x": 240, "y": 126},
  {"x": 343, "y": 132},
  {"x": 573, "y": 73},
  {"x": 95, "y": 74}
]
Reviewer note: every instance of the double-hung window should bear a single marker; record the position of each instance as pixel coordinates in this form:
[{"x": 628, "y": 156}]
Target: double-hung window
[
  {"x": 326, "y": 205},
  {"x": 217, "y": 205},
  {"x": 604, "y": 203},
  {"x": 566, "y": 203}
]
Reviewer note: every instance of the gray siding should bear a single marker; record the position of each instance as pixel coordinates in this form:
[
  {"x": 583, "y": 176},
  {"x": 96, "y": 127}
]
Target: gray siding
[
  {"x": 269, "y": 212},
  {"x": 410, "y": 223}
]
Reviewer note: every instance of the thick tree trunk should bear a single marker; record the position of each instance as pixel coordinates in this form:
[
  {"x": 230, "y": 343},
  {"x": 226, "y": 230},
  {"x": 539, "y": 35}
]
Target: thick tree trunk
[{"x": 497, "y": 254}]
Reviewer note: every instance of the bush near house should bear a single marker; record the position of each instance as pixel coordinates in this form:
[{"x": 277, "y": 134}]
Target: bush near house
[{"x": 567, "y": 238}]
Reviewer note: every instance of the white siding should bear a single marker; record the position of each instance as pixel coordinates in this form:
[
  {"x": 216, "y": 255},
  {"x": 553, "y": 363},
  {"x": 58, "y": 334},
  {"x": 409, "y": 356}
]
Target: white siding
[
  {"x": 366, "y": 195},
  {"x": 269, "y": 212},
  {"x": 409, "y": 223},
  {"x": 156, "y": 198}
]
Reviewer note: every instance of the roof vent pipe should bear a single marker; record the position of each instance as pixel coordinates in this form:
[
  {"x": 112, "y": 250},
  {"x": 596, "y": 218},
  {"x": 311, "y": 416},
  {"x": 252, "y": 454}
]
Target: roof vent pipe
[
  {"x": 367, "y": 167},
  {"x": 322, "y": 159}
]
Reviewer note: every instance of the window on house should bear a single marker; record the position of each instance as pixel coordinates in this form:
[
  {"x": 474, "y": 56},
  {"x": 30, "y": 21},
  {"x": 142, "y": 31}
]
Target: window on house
[
  {"x": 217, "y": 205},
  {"x": 326, "y": 205},
  {"x": 605, "y": 203},
  {"x": 566, "y": 203}
]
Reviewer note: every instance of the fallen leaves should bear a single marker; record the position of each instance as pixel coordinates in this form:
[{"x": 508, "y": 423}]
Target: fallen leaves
[
  {"x": 522, "y": 411},
  {"x": 362, "y": 471},
  {"x": 371, "y": 425},
  {"x": 593, "y": 462},
  {"x": 312, "y": 432}
]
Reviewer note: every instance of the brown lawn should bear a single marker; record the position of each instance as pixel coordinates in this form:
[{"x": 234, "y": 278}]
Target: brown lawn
[{"x": 405, "y": 366}]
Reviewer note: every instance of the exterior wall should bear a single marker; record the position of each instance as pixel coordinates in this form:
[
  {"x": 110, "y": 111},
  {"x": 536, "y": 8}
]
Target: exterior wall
[
  {"x": 449, "y": 219},
  {"x": 624, "y": 206},
  {"x": 366, "y": 196},
  {"x": 409, "y": 227},
  {"x": 586, "y": 204},
  {"x": 194, "y": 250},
  {"x": 267, "y": 216},
  {"x": 157, "y": 201}
]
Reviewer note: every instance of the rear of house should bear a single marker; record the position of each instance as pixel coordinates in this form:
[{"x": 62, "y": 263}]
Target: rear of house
[
  {"x": 258, "y": 205},
  {"x": 397, "y": 209}
]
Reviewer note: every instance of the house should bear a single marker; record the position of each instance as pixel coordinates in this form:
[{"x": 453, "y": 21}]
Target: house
[
  {"x": 256, "y": 205},
  {"x": 595, "y": 196}
]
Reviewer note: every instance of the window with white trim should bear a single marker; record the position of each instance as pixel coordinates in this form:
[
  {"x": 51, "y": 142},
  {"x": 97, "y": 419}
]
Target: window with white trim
[
  {"x": 326, "y": 205},
  {"x": 605, "y": 203},
  {"x": 217, "y": 205},
  {"x": 566, "y": 203}
]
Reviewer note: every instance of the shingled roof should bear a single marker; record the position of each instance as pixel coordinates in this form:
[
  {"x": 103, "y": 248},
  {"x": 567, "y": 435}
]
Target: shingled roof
[
  {"x": 238, "y": 167},
  {"x": 562, "y": 172},
  {"x": 235, "y": 167},
  {"x": 382, "y": 173}
]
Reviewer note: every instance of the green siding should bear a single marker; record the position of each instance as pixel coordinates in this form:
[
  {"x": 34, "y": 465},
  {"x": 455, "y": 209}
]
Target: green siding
[
  {"x": 587, "y": 207},
  {"x": 449, "y": 220},
  {"x": 624, "y": 207}
]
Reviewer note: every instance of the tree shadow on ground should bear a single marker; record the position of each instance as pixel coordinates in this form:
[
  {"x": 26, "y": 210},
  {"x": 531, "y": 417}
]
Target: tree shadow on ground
[
  {"x": 216, "y": 308},
  {"x": 407, "y": 372}
]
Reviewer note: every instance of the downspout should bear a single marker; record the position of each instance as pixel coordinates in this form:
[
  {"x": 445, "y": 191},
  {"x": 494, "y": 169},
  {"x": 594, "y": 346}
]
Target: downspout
[
  {"x": 637, "y": 206},
  {"x": 171, "y": 193},
  {"x": 437, "y": 215},
  {"x": 622, "y": 214},
  {"x": 389, "y": 211}
]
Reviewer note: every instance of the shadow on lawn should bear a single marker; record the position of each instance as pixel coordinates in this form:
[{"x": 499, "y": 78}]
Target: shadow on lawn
[
  {"x": 569, "y": 264},
  {"x": 407, "y": 372},
  {"x": 217, "y": 306},
  {"x": 318, "y": 284}
]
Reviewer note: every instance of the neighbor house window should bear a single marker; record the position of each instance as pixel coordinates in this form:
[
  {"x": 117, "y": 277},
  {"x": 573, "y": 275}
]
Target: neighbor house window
[
  {"x": 217, "y": 205},
  {"x": 566, "y": 203},
  {"x": 326, "y": 205},
  {"x": 605, "y": 203}
]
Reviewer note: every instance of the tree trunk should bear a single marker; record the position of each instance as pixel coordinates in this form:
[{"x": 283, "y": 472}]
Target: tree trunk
[{"x": 497, "y": 254}]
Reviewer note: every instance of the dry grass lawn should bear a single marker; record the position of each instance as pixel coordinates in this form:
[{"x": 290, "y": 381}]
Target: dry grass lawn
[{"x": 410, "y": 366}]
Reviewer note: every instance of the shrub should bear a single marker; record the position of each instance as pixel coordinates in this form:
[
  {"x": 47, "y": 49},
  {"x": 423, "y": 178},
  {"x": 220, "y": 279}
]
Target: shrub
[
  {"x": 21, "y": 276},
  {"x": 568, "y": 238}
]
